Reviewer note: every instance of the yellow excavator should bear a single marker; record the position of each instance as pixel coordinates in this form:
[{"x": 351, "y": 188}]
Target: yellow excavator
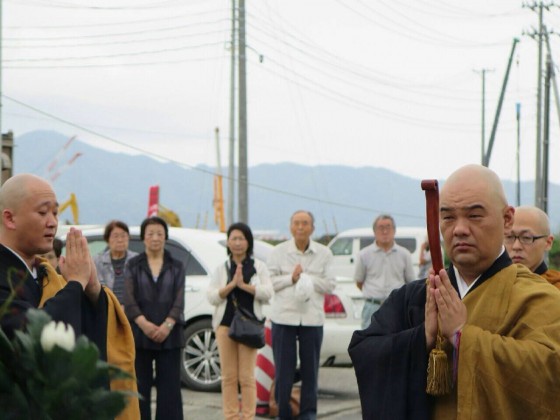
[
  {"x": 155, "y": 208},
  {"x": 73, "y": 204},
  {"x": 170, "y": 217}
]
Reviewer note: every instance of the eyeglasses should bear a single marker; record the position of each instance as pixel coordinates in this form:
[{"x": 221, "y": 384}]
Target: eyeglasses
[
  {"x": 118, "y": 235},
  {"x": 523, "y": 239}
]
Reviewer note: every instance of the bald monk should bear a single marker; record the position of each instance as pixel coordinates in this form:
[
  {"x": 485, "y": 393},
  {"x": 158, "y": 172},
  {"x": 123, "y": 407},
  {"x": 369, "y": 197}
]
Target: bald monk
[
  {"x": 501, "y": 320},
  {"x": 29, "y": 212},
  {"x": 529, "y": 240}
]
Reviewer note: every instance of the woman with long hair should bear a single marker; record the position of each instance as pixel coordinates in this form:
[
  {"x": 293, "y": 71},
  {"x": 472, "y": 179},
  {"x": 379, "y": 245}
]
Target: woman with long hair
[{"x": 246, "y": 281}]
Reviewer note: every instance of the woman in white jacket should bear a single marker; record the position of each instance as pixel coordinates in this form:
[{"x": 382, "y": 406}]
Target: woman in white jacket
[{"x": 248, "y": 281}]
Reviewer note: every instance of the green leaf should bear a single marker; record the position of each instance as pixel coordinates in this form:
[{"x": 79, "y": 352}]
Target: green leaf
[
  {"x": 107, "y": 404},
  {"x": 37, "y": 321},
  {"x": 84, "y": 360},
  {"x": 6, "y": 379},
  {"x": 56, "y": 365},
  {"x": 6, "y": 348},
  {"x": 20, "y": 401}
]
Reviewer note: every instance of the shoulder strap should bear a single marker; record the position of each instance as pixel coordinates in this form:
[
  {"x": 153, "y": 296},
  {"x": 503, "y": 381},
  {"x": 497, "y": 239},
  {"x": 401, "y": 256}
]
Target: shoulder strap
[{"x": 230, "y": 278}]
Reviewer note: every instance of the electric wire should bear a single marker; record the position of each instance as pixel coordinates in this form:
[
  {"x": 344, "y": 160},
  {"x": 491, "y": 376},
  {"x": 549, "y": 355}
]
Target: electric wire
[
  {"x": 116, "y": 34},
  {"x": 19, "y": 46},
  {"x": 121, "y": 23},
  {"x": 117, "y": 55},
  {"x": 198, "y": 168},
  {"x": 411, "y": 34}
]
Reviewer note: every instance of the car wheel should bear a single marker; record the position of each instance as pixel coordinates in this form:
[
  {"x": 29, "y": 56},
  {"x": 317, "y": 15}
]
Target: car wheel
[{"x": 200, "y": 361}]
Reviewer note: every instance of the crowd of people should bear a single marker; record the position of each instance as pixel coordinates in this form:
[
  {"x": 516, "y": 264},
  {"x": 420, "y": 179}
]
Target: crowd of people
[{"x": 493, "y": 313}]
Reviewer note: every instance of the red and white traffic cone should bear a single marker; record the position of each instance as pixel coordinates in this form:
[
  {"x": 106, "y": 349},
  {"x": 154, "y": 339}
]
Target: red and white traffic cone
[{"x": 264, "y": 371}]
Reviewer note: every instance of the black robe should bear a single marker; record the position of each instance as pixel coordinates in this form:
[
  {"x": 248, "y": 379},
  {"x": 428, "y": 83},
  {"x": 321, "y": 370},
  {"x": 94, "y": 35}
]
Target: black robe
[
  {"x": 390, "y": 357},
  {"x": 70, "y": 305}
]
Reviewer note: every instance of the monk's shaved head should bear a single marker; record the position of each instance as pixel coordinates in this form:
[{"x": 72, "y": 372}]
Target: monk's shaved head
[
  {"x": 539, "y": 218},
  {"x": 474, "y": 215},
  {"x": 529, "y": 222},
  {"x": 478, "y": 177},
  {"x": 29, "y": 216},
  {"x": 16, "y": 189}
]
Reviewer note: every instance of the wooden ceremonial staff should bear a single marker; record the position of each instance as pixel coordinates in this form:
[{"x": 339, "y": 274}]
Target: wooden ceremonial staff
[{"x": 439, "y": 377}]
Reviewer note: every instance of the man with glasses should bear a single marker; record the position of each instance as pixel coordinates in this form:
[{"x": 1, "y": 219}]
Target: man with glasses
[
  {"x": 381, "y": 267},
  {"x": 529, "y": 240}
]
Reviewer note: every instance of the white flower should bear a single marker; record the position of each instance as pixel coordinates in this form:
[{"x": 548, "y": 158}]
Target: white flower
[{"x": 57, "y": 333}]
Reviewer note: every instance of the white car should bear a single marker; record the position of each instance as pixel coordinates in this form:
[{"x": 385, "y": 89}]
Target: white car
[
  {"x": 201, "y": 252},
  {"x": 347, "y": 245}
]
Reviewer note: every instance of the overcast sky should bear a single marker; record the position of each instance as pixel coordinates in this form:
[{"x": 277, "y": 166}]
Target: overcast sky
[{"x": 390, "y": 83}]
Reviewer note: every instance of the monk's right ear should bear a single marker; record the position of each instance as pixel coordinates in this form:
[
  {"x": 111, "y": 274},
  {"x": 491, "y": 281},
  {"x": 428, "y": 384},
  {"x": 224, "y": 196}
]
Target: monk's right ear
[
  {"x": 509, "y": 212},
  {"x": 8, "y": 219}
]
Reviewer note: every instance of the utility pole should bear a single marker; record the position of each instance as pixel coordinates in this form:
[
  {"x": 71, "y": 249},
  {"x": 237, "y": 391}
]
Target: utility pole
[
  {"x": 517, "y": 155},
  {"x": 546, "y": 133},
  {"x": 1, "y": 135},
  {"x": 553, "y": 75},
  {"x": 243, "y": 214},
  {"x": 483, "y": 119},
  {"x": 538, "y": 35},
  {"x": 231, "y": 169},
  {"x": 218, "y": 188},
  {"x": 538, "y": 180},
  {"x": 488, "y": 154}
]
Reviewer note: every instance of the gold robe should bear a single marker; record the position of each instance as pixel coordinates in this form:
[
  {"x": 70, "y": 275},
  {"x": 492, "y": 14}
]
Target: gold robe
[
  {"x": 509, "y": 353},
  {"x": 120, "y": 342},
  {"x": 553, "y": 277}
]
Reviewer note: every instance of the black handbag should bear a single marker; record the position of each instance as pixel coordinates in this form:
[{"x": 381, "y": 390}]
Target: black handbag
[{"x": 245, "y": 328}]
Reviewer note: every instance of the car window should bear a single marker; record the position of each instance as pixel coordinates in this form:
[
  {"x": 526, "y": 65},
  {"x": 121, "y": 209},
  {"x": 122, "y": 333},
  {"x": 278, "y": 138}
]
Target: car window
[
  {"x": 408, "y": 243},
  {"x": 261, "y": 250},
  {"x": 366, "y": 241},
  {"x": 96, "y": 245},
  {"x": 342, "y": 246},
  {"x": 193, "y": 267}
]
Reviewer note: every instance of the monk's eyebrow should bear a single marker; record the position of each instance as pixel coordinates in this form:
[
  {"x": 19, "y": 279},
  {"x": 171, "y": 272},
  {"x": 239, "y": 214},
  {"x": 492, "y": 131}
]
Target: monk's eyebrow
[
  {"x": 520, "y": 232},
  {"x": 466, "y": 208}
]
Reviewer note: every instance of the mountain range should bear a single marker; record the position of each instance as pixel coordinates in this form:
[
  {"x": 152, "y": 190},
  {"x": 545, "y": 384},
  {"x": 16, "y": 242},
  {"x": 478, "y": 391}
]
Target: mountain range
[{"x": 110, "y": 185}]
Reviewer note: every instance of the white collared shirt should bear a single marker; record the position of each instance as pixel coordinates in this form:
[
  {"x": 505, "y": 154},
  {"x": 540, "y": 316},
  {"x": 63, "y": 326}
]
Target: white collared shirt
[
  {"x": 316, "y": 262},
  {"x": 32, "y": 271},
  {"x": 462, "y": 284}
]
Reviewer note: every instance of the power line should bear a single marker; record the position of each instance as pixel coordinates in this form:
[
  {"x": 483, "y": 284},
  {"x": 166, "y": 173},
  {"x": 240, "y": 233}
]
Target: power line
[
  {"x": 109, "y": 65},
  {"x": 63, "y": 5},
  {"x": 197, "y": 168},
  {"x": 117, "y": 34},
  {"x": 412, "y": 34},
  {"x": 113, "y": 43},
  {"x": 83, "y": 25},
  {"x": 117, "y": 55}
]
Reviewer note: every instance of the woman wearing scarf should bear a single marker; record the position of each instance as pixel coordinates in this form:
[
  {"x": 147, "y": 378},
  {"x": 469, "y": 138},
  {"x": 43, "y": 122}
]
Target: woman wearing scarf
[{"x": 247, "y": 281}]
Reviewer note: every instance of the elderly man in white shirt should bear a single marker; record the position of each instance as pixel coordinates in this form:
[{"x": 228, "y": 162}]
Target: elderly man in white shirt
[
  {"x": 300, "y": 271},
  {"x": 381, "y": 267}
]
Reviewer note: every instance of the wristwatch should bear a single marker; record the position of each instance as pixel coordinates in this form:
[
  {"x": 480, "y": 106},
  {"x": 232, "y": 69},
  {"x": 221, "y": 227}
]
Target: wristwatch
[{"x": 169, "y": 325}]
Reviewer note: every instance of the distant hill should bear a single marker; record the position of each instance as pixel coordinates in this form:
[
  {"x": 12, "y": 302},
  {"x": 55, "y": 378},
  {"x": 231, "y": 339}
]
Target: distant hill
[{"x": 115, "y": 186}]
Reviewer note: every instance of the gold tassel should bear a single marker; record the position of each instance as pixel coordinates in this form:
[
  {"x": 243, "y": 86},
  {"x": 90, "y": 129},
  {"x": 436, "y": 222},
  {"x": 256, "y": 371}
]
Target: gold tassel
[{"x": 439, "y": 376}]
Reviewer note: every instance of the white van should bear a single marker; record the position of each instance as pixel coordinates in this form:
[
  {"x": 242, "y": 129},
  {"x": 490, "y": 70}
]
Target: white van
[{"x": 347, "y": 244}]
